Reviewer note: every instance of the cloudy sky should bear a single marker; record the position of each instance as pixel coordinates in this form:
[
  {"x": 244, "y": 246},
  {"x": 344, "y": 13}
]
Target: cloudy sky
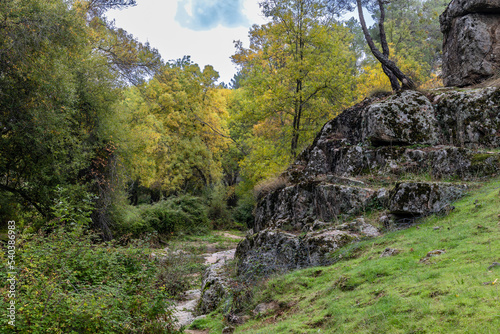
[{"x": 203, "y": 29}]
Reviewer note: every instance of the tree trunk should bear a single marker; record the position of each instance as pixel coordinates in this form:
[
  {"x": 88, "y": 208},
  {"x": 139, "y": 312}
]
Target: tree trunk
[
  {"x": 390, "y": 66},
  {"x": 385, "y": 48}
]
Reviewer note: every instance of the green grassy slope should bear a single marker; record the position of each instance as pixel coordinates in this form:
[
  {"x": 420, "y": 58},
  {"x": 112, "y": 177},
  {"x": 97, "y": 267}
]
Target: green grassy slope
[{"x": 364, "y": 293}]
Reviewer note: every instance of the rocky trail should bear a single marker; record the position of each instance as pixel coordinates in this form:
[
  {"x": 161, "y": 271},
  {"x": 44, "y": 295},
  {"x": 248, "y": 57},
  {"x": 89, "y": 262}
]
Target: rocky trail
[{"x": 185, "y": 307}]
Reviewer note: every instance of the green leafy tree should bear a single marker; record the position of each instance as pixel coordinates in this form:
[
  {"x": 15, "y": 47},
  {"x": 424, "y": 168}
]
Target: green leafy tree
[
  {"x": 57, "y": 85},
  {"x": 297, "y": 73},
  {"x": 176, "y": 129}
]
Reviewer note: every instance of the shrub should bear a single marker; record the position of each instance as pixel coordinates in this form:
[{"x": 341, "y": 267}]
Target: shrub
[
  {"x": 177, "y": 215},
  {"x": 218, "y": 212},
  {"x": 68, "y": 284},
  {"x": 243, "y": 212}
]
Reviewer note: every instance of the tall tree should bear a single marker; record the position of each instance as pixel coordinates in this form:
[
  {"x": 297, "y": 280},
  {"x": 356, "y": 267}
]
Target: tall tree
[
  {"x": 56, "y": 87},
  {"x": 175, "y": 129},
  {"x": 296, "y": 67}
]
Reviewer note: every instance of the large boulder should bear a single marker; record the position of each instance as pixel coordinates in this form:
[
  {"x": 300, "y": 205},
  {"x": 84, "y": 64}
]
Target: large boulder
[
  {"x": 406, "y": 118},
  {"x": 471, "y": 44},
  {"x": 294, "y": 206},
  {"x": 271, "y": 250},
  {"x": 423, "y": 198}
]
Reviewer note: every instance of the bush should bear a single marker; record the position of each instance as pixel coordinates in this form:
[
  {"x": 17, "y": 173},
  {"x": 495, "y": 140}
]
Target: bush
[
  {"x": 218, "y": 211},
  {"x": 243, "y": 212},
  {"x": 68, "y": 284},
  {"x": 177, "y": 215}
]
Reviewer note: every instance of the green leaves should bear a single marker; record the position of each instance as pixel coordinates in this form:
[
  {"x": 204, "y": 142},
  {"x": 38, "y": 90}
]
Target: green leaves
[
  {"x": 175, "y": 129},
  {"x": 69, "y": 284},
  {"x": 296, "y": 74}
]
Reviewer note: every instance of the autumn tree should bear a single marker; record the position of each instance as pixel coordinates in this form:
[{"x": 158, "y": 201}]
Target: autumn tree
[
  {"x": 297, "y": 71},
  {"x": 175, "y": 129}
]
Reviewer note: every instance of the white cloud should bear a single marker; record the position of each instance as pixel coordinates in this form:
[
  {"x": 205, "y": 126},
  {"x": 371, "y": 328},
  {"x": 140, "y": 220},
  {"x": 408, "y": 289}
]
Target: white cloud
[{"x": 154, "y": 21}]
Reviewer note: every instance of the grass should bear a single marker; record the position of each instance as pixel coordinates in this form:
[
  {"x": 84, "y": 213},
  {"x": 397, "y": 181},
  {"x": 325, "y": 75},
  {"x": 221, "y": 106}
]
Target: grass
[{"x": 399, "y": 294}]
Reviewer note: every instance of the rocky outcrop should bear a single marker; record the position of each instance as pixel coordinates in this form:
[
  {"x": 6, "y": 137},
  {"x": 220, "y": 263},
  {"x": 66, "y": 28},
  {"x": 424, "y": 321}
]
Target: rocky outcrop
[
  {"x": 273, "y": 250},
  {"x": 422, "y": 198},
  {"x": 471, "y": 44},
  {"x": 469, "y": 117},
  {"x": 293, "y": 207},
  {"x": 405, "y": 119},
  {"x": 374, "y": 156}
]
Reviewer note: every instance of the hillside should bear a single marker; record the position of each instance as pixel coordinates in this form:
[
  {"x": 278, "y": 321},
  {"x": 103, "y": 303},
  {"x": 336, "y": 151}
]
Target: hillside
[{"x": 455, "y": 292}]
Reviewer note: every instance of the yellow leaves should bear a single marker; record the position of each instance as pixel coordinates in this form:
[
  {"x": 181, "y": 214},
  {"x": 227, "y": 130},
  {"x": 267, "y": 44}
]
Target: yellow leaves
[
  {"x": 176, "y": 129},
  {"x": 372, "y": 79}
]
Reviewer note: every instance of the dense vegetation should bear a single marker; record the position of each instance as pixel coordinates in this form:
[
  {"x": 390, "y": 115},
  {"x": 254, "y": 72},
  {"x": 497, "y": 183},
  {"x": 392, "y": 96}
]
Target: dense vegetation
[{"x": 107, "y": 150}]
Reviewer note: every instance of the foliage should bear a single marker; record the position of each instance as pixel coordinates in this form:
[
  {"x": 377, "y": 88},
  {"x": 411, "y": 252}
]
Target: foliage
[
  {"x": 243, "y": 212},
  {"x": 177, "y": 215},
  {"x": 295, "y": 75},
  {"x": 66, "y": 283},
  {"x": 414, "y": 39},
  {"x": 57, "y": 85},
  {"x": 175, "y": 129}
]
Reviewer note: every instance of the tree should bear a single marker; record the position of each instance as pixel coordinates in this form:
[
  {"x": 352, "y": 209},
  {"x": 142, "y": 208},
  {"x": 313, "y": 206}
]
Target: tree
[
  {"x": 56, "y": 88},
  {"x": 175, "y": 129},
  {"x": 392, "y": 71},
  {"x": 296, "y": 69}
]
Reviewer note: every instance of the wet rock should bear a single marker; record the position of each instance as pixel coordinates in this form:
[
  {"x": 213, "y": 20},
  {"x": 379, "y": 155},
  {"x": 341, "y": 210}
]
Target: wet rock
[
  {"x": 471, "y": 44},
  {"x": 403, "y": 119},
  {"x": 422, "y": 198}
]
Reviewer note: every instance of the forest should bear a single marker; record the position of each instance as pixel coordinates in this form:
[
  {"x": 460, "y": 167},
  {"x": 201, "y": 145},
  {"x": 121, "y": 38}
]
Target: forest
[{"x": 108, "y": 151}]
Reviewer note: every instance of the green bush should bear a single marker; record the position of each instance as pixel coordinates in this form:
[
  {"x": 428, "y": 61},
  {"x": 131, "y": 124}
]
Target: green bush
[
  {"x": 218, "y": 211},
  {"x": 177, "y": 215},
  {"x": 243, "y": 212},
  {"x": 68, "y": 284}
]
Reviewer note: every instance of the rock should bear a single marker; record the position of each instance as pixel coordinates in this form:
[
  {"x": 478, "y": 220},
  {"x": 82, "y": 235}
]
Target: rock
[
  {"x": 403, "y": 119},
  {"x": 493, "y": 265},
  {"x": 272, "y": 251},
  {"x": 390, "y": 252},
  {"x": 360, "y": 226},
  {"x": 213, "y": 288},
  {"x": 183, "y": 311},
  {"x": 308, "y": 201},
  {"x": 423, "y": 198},
  {"x": 219, "y": 256},
  {"x": 265, "y": 308},
  {"x": 471, "y": 43},
  {"x": 433, "y": 253},
  {"x": 228, "y": 330},
  {"x": 470, "y": 118}
]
